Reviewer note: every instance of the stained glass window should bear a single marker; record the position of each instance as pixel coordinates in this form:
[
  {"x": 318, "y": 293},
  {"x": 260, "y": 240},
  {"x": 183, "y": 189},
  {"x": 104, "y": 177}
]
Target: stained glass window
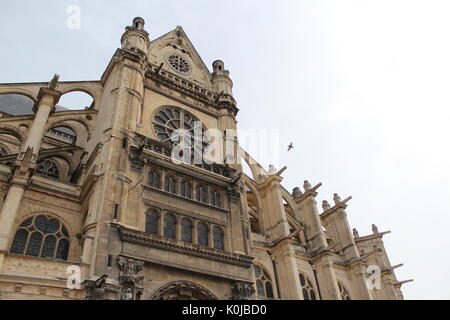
[
  {"x": 170, "y": 184},
  {"x": 218, "y": 238},
  {"x": 186, "y": 189},
  {"x": 169, "y": 226},
  {"x": 186, "y": 231},
  {"x": 154, "y": 179},
  {"x": 173, "y": 125},
  {"x": 263, "y": 283},
  {"x": 151, "y": 222},
  {"x": 307, "y": 288},
  {"x": 41, "y": 236},
  {"x": 47, "y": 168},
  {"x": 202, "y": 234}
]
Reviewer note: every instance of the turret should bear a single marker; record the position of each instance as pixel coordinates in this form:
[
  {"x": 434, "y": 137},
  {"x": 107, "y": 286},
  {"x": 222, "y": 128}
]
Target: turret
[
  {"x": 221, "y": 78},
  {"x": 135, "y": 37}
]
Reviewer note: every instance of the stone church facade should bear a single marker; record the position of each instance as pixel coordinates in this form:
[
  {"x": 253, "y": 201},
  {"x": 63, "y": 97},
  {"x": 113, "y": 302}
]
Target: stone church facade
[{"x": 93, "y": 205}]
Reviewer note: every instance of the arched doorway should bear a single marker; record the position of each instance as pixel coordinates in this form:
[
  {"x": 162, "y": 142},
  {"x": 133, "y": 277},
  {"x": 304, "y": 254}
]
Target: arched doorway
[{"x": 182, "y": 290}]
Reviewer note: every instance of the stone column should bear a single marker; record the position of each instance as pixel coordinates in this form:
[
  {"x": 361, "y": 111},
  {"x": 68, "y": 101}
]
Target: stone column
[
  {"x": 45, "y": 105},
  {"x": 326, "y": 277},
  {"x": 286, "y": 265}
]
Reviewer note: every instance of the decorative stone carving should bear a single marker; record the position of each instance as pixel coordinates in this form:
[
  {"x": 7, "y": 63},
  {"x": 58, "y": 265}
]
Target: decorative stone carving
[
  {"x": 183, "y": 290},
  {"x": 325, "y": 205},
  {"x": 374, "y": 229},
  {"x": 296, "y": 193},
  {"x": 272, "y": 169},
  {"x": 355, "y": 233},
  {"x": 337, "y": 199},
  {"x": 235, "y": 189},
  {"x": 307, "y": 185},
  {"x": 132, "y": 284},
  {"x": 100, "y": 290},
  {"x": 243, "y": 290},
  {"x": 136, "y": 158}
]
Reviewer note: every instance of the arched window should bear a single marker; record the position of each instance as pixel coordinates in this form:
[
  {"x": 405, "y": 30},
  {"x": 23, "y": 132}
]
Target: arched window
[
  {"x": 154, "y": 179},
  {"x": 202, "y": 234},
  {"x": 214, "y": 198},
  {"x": 263, "y": 283},
  {"x": 170, "y": 222},
  {"x": 186, "y": 230},
  {"x": 48, "y": 168},
  {"x": 307, "y": 288},
  {"x": 218, "y": 238},
  {"x": 186, "y": 189},
  {"x": 41, "y": 236},
  {"x": 202, "y": 194},
  {"x": 170, "y": 184},
  {"x": 152, "y": 222},
  {"x": 344, "y": 292}
]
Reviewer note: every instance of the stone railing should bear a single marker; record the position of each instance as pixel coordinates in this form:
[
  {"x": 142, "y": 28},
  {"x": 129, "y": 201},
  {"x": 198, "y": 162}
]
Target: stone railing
[
  {"x": 59, "y": 135},
  {"x": 166, "y": 150},
  {"x": 187, "y": 86}
]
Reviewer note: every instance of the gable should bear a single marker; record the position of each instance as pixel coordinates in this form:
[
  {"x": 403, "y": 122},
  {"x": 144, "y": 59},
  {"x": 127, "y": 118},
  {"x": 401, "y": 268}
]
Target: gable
[{"x": 179, "y": 56}]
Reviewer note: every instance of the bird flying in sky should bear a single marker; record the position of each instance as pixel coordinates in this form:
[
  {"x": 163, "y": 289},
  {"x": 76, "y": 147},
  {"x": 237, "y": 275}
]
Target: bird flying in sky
[{"x": 291, "y": 146}]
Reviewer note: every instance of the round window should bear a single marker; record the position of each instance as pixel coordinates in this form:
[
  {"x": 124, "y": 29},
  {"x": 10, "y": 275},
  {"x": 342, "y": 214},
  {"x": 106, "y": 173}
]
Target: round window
[{"x": 178, "y": 63}]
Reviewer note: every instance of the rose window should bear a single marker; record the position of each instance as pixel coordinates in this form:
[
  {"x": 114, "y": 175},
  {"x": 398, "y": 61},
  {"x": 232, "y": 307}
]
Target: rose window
[{"x": 178, "y": 63}]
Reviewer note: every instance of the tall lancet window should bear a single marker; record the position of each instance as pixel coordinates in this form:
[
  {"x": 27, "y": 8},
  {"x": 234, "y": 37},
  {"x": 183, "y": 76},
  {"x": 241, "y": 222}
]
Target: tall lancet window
[
  {"x": 263, "y": 283},
  {"x": 186, "y": 231},
  {"x": 152, "y": 222},
  {"x": 170, "y": 222},
  {"x": 202, "y": 234},
  {"x": 218, "y": 236}
]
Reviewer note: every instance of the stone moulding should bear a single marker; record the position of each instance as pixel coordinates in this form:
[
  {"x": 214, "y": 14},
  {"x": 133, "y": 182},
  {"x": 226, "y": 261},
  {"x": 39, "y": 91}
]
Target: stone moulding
[{"x": 142, "y": 238}]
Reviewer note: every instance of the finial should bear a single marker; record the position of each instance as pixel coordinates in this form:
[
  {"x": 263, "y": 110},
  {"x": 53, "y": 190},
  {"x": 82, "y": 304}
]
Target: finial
[
  {"x": 296, "y": 193},
  {"x": 138, "y": 23},
  {"x": 374, "y": 229},
  {"x": 307, "y": 185},
  {"x": 325, "y": 205},
  {"x": 54, "y": 82},
  {"x": 219, "y": 68},
  {"x": 355, "y": 233},
  {"x": 272, "y": 169},
  {"x": 336, "y": 198}
]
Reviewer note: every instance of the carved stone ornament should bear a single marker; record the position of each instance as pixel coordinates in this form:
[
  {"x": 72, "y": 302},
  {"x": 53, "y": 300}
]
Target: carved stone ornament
[
  {"x": 136, "y": 159},
  {"x": 132, "y": 284},
  {"x": 243, "y": 291}
]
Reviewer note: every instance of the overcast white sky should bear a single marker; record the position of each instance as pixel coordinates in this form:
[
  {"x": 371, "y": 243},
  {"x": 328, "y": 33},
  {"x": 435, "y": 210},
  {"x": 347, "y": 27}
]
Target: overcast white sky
[{"x": 360, "y": 87}]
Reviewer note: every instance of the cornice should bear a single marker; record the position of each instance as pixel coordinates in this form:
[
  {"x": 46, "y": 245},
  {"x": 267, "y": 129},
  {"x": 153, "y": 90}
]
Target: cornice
[{"x": 148, "y": 240}]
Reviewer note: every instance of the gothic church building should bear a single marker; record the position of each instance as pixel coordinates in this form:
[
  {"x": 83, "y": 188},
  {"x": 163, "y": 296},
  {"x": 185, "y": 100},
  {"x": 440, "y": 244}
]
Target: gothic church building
[{"x": 94, "y": 207}]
